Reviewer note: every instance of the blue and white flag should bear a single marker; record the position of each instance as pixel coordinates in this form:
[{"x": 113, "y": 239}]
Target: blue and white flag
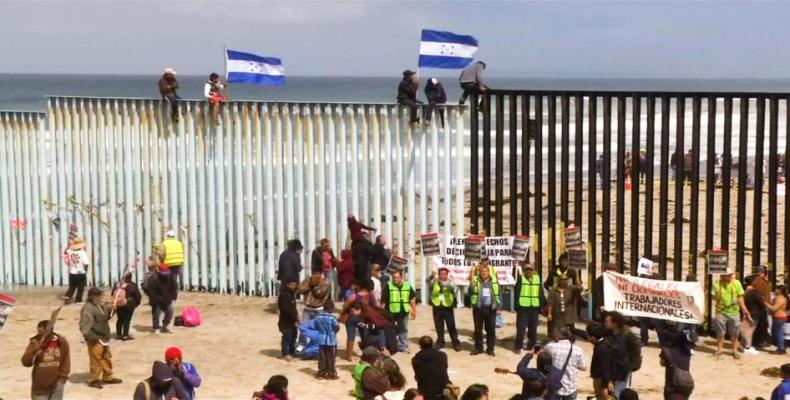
[
  {"x": 251, "y": 68},
  {"x": 446, "y": 49}
]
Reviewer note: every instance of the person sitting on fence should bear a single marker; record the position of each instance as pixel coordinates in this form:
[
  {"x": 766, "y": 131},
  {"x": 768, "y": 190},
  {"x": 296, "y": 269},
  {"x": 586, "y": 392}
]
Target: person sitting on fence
[
  {"x": 471, "y": 80},
  {"x": 212, "y": 90},
  {"x": 167, "y": 88},
  {"x": 407, "y": 94},
  {"x": 434, "y": 92}
]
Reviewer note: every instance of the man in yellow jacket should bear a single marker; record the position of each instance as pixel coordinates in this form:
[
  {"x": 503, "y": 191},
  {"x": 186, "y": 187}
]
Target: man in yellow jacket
[{"x": 171, "y": 252}]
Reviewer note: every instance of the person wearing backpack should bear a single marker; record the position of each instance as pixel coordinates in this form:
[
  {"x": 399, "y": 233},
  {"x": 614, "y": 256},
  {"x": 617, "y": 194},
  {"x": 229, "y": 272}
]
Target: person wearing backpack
[
  {"x": 126, "y": 297},
  {"x": 162, "y": 384},
  {"x": 676, "y": 360},
  {"x": 625, "y": 352}
]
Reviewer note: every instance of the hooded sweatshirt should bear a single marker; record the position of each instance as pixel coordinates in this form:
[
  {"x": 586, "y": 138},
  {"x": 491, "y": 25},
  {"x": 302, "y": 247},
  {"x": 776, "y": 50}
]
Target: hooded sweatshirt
[
  {"x": 430, "y": 371},
  {"x": 161, "y": 385},
  {"x": 50, "y": 364}
]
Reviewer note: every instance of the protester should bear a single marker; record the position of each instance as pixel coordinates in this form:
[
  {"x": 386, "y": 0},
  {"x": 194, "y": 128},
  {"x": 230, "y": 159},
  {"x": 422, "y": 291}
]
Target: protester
[
  {"x": 362, "y": 252},
  {"x": 376, "y": 277},
  {"x": 778, "y": 310},
  {"x": 167, "y": 88},
  {"x": 401, "y": 302},
  {"x": 351, "y": 314},
  {"x": 569, "y": 359},
  {"x": 442, "y": 290},
  {"x": 323, "y": 259},
  {"x": 545, "y": 371},
  {"x": 369, "y": 380},
  {"x": 345, "y": 273},
  {"x": 184, "y": 371},
  {"x": 407, "y": 94},
  {"x": 355, "y": 227},
  {"x": 552, "y": 280},
  {"x": 275, "y": 389},
  {"x": 471, "y": 80},
  {"x": 378, "y": 329},
  {"x": 760, "y": 337},
  {"x": 625, "y": 352},
  {"x": 676, "y": 360},
  {"x": 162, "y": 384},
  {"x": 381, "y": 252},
  {"x": 95, "y": 330},
  {"x": 435, "y": 94},
  {"x": 528, "y": 307},
  {"x": 782, "y": 391},
  {"x": 430, "y": 370},
  {"x": 48, "y": 354},
  {"x": 484, "y": 296},
  {"x": 327, "y": 326},
  {"x": 475, "y": 391},
  {"x": 289, "y": 264},
  {"x": 288, "y": 321},
  {"x": 689, "y": 329},
  {"x": 728, "y": 294},
  {"x": 755, "y": 303},
  {"x": 598, "y": 296},
  {"x": 162, "y": 291},
  {"x": 562, "y": 306},
  {"x": 77, "y": 261},
  {"x": 212, "y": 91},
  {"x": 126, "y": 297},
  {"x": 315, "y": 290},
  {"x": 599, "y": 364},
  {"x": 171, "y": 252}
]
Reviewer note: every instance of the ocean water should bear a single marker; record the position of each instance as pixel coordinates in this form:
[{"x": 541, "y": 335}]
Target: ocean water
[{"x": 28, "y": 92}]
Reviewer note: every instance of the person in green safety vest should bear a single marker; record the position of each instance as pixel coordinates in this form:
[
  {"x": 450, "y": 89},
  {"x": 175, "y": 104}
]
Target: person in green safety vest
[
  {"x": 560, "y": 269},
  {"x": 369, "y": 380},
  {"x": 172, "y": 254},
  {"x": 442, "y": 292},
  {"x": 484, "y": 295},
  {"x": 401, "y": 302},
  {"x": 529, "y": 303}
]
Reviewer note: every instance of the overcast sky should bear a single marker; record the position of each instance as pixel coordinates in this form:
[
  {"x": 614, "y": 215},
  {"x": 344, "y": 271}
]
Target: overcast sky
[{"x": 664, "y": 39}]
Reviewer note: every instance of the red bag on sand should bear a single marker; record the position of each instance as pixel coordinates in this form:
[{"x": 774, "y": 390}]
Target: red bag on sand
[{"x": 191, "y": 316}]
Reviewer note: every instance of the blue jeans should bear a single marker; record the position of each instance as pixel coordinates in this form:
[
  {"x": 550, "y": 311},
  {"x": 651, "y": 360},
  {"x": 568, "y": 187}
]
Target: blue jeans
[
  {"x": 307, "y": 315},
  {"x": 156, "y": 313},
  {"x": 619, "y": 386},
  {"x": 778, "y": 333},
  {"x": 402, "y": 321},
  {"x": 288, "y": 344}
]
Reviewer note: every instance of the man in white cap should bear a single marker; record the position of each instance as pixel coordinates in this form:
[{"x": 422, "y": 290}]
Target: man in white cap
[
  {"x": 167, "y": 88},
  {"x": 77, "y": 261},
  {"x": 171, "y": 252}
]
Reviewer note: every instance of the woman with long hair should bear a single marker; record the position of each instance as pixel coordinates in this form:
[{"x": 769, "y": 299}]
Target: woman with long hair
[{"x": 778, "y": 310}]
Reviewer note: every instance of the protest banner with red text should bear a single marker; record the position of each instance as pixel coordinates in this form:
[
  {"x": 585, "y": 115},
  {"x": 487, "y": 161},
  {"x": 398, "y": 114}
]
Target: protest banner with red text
[
  {"x": 653, "y": 298},
  {"x": 498, "y": 250}
]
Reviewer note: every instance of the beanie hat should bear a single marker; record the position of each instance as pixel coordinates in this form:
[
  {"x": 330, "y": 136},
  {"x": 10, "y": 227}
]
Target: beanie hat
[{"x": 172, "y": 353}]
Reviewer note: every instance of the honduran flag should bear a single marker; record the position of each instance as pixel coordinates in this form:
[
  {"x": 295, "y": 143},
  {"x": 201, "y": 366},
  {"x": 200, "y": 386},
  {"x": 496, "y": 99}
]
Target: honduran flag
[
  {"x": 251, "y": 68},
  {"x": 446, "y": 49}
]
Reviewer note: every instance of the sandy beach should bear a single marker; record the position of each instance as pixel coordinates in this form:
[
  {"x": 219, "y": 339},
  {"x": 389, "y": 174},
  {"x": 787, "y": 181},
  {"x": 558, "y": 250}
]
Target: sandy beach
[{"x": 237, "y": 349}]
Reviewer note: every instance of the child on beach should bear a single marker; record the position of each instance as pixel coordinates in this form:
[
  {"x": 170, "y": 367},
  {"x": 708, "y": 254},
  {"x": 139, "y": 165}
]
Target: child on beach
[{"x": 327, "y": 325}]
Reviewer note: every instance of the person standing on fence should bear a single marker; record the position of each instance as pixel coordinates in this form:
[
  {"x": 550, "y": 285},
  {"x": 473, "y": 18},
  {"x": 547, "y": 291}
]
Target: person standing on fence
[
  {"x": 434, "y": 92},
  {"x": 171, "y": 252},
  {"x": 407, "y": 94},
  {"x": 51, "y": 361},
  {"x": 168, "y": 85},
  {"x": 401, "y": 301},
  {"x": 528, "y": 306},
  {"x": 126, "y": 297},
  {"x": 315, "y": 290},
  {"x": 442, "y": 291},
  {"x": 289, "y": 264},
  {"x": 95, "y": 329},
  {"x": 381, "y": 252},
  {"x": 728, "y": 295},
  {"x": 362, "y": 252},
  {"x": 77, "y": 261},
  {"x": 355, "y": 227},
  {"x": 212, "y": 91},
  {"x": 471, "y": 80},
  {"x": 162, "y": 291},
  {"x": 484, "y": 295}
]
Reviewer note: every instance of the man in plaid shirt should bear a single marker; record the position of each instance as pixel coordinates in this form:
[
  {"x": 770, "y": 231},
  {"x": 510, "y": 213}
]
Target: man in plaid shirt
[{"x": 569, "y": 359}]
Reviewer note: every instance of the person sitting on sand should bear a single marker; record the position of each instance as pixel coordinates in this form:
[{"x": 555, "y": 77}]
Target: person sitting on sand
[
  {"x": 476, "y": 391},
  {"x": 49, "y": 356},
  {"x": 275, "y": 389},
  {"x": 184, "y": 371},
  {"x": 430, "y": 370},
  {"x": 369, "y": 380},
  {"x": 782, "y": 391},
  {"x": 545, "y": 371},
  {"x": 728, "y": 294},
  {"x": 162, "y": 384}
]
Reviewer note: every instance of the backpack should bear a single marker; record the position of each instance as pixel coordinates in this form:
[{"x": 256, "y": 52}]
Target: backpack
[
  {"x": 634, "y": 349},
  {"x": 120, "y": 294},
  {"x": 681, "y": 380},
  {"x": 191, "y": 316}
]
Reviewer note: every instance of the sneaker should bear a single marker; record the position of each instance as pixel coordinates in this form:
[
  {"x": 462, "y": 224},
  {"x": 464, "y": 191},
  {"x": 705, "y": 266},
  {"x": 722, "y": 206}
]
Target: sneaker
[
  {"x": 157, "y": 331},
  {"x": 165, "y": 330},
  {"x": 112, "y": 381},
  {"x": 300, "y": 348},
  {"x": 288, "y": 358},
  {"x": 66, "y": 298},
  {"x": 96, "y": 384},
  {"x": 751, "y": 351}
]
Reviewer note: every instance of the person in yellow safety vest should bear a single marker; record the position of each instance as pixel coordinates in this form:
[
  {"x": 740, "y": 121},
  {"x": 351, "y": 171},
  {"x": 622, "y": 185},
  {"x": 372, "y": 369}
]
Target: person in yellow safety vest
[
  {"x": 401, "y": 301},
  {"x": 172, "y": 254},
  {"x": 442, "y": 291},
  {"x": 529, "y": 303},
  {"x": 559, "y": 270},
  {"x": 369, "y": 381},
  {"x": 484, "y": 295}
]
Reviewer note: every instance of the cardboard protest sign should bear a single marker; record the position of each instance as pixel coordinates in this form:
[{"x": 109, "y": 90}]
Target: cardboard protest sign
[
  {"x": 652, "y": 298},
  {"x": 473, "y": 248},
  {"x": 577, "y": 259},
  {"x": 718, "y": 262},
  {"x": 6, "y": 305},
  {"x": 430, "y": 244},
  {"x": 646, "y": 267},
  {"x": 498, "y": 251},
  {"x": 51, "y": 324},
  {"x": 520, "y": 247},
  {"x": 397, "y": 263},
  {"x": 573, "y": 238}
]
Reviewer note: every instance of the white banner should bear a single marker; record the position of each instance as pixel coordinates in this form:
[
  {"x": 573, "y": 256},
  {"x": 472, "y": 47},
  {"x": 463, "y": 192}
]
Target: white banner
[
  {"x": 499, "y": 253},
  {"x": 640, "y": 297}
]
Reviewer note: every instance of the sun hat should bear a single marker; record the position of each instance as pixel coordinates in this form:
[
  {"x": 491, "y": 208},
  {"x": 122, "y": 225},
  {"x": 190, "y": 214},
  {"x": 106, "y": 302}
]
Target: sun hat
[
  {"x": 171, "y": 233},
  {"x": 77, "y": 244},
  {"x": 170, "y": 71}
]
